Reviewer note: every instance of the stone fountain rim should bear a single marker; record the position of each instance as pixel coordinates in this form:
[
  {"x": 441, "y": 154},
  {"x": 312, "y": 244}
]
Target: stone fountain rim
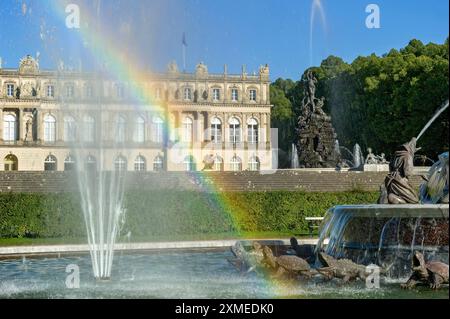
[{"x": 401, "y": 210}]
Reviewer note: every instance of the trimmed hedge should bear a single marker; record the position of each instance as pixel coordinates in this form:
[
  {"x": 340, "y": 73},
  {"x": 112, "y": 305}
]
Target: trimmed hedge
[{"x": 173, "y": 212}]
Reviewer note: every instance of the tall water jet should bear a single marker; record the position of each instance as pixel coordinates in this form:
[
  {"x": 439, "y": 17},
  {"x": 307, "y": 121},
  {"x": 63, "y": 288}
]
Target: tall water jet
[
  {"x": 358, "y": 158},
  {"x": 316, "y": 6},
  {"x": 294, "y": 157},
  {"x": 436, "y": 115}
]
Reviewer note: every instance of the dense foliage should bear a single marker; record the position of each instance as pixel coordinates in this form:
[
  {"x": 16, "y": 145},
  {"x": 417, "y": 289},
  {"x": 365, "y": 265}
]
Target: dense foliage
[
  {"x": 175, "y": 212},
  {"x": 377, "y": 102}
]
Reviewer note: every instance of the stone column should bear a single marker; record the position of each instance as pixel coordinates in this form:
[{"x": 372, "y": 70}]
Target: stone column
[
  {"x": 40, "y": 126},
  {"x": 198, "y": 128},
  {"x": 244, "y": 128},
  {"x": 59, "y": 126},
  {"x": 1, "y": 125},
  {"x": 267, "y": 127},
  {"x": 21, "y": 125}
]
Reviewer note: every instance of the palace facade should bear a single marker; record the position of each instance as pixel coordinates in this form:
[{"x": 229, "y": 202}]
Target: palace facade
[{"x": 52, "y": 120}]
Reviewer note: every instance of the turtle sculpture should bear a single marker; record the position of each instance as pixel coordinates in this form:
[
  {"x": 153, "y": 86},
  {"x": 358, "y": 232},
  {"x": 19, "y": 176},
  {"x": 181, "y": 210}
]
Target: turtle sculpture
[
  {"x": 433, "y": 273},
  {"x": 287, "y": 264},
  {"x": 303, "y": 251},
  {"x": 344, "y": 269},
  {"x": 247, "y": 261}
]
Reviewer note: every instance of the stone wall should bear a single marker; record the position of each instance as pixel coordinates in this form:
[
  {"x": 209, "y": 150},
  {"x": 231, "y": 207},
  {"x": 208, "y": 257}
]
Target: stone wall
[{"x": 291, "y": 180}]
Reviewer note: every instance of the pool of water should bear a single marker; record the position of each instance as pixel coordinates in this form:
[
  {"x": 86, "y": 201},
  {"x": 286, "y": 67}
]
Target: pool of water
[{"x": 177, "y": 274}]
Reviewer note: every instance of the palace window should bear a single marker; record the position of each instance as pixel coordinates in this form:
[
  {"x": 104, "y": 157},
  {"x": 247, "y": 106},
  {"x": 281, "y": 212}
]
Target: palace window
[
  {"x": 252, "y": 95},
  {"x": 11, "y": 163},
  {"x": 234, "y": 95},
  {"x": 139, "y": 130},
  {"x": 120, "y": 91},
  {"x": 49, "y": 129},
  {"x": 91, "y": 163},
  {"x": 89, "y": 129},
  {"x": 216, "y": 130},
  {"x": 235, "y": 130},
  {"x": 9, "y": 128},
  {"x": 253, "y": 163},
  {"x": 70, "y": 129},
  {"x": 50, "y": 163},
  {"x": 252, "y": 126},
  {"x": 158, "y": 93},
  {"x": 140, "y": 164},
  {"x": 51, "y": 91},
  {"x": 157, "y": 129},
  {"x": 189, "y": 163},
  {"x": 187, "y": 130},
  {"x": 158, "y": 163},
  {"x": 69, "y": 91},
  {"x": 236, "y": 164},
  {"x": 218, "y": 163},
  {"x": 187, "y": 94},
  {"x": 10, "y": 90},
  {"x": 120, "y": 163},
  {"x": 216, "y": 95},
  {"x": 89, "y": 91},
  {"x": 69, "y": 163},
  {"x": 120, "y": 129}
]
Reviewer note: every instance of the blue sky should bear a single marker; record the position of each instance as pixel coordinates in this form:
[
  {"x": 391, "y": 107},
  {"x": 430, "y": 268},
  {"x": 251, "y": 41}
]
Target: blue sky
[{"x": 218, "y": 32}]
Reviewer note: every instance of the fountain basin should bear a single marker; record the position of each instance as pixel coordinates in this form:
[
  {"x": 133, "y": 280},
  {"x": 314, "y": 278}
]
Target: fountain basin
[
  {"x": 175, "y": 274},
  {"x": 386, "y": 235}
]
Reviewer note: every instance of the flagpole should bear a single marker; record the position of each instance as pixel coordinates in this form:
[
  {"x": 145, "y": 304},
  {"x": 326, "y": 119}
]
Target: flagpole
[{"x": 184, "y": 58}]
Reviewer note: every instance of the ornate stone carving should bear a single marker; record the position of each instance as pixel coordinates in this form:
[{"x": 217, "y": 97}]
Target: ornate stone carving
[
  {"x": 264, "y": 72},
  {"x": 28, "y": 65},
  {"x": 316, "y": 137},
  {"x": 396, "y": 188},
  {"x": 201, "y": 69},
  {"x": 172, "y": 68}
]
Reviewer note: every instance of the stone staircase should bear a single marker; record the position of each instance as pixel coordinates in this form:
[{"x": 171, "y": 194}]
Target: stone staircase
[{"x": 289, "y": 180}]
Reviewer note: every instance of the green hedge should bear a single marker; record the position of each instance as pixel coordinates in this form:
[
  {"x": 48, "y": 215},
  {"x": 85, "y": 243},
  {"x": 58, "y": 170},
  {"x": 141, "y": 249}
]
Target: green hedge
[{"x": 173, "y": 212}]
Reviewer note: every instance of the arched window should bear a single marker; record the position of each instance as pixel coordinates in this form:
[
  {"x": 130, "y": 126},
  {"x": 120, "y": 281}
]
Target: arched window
[
  {"x": 11, "y": 163},
  {"x": 187, "y": 130},
  {"x": 70, "y": 129},
  {"x": 120, "y": 129},
  {"x": 252, "y": 126},
  {"x": 50, "y": 163},
  {"x": 253, "y": 163},
  {"x": 157, "y": 129},
  {"x": 235, "y": 130},
  {"x": 216, "y": 130},
  {"x": 91, "y": 163},
  {"x": 218, "y": 163},
  {"x": 139, "y": 130},
  {"x": 189, "y": 163},
  {"x": 9, "y": 128},
  {"x": 69, "y": 163},
  {"x": 158, "y": 163},
  {"x": 49, "y": 129},
  {"x": 140, "y": 164},
  {"x": 120, "y": 163},
  {"x": 89, "y": 129},
  {"x": 236, "y": 164}
]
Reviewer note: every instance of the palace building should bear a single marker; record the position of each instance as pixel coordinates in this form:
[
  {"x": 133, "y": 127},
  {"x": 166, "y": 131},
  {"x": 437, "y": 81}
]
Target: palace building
[{"x": 50, "y": 120}]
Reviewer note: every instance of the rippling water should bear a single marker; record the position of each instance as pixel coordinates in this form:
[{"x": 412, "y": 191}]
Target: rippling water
[{"x": 176, "y": 274}]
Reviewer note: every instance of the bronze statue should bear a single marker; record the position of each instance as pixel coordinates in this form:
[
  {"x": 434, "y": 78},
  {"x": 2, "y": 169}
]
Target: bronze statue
[{"x": 397, "y": 189}]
